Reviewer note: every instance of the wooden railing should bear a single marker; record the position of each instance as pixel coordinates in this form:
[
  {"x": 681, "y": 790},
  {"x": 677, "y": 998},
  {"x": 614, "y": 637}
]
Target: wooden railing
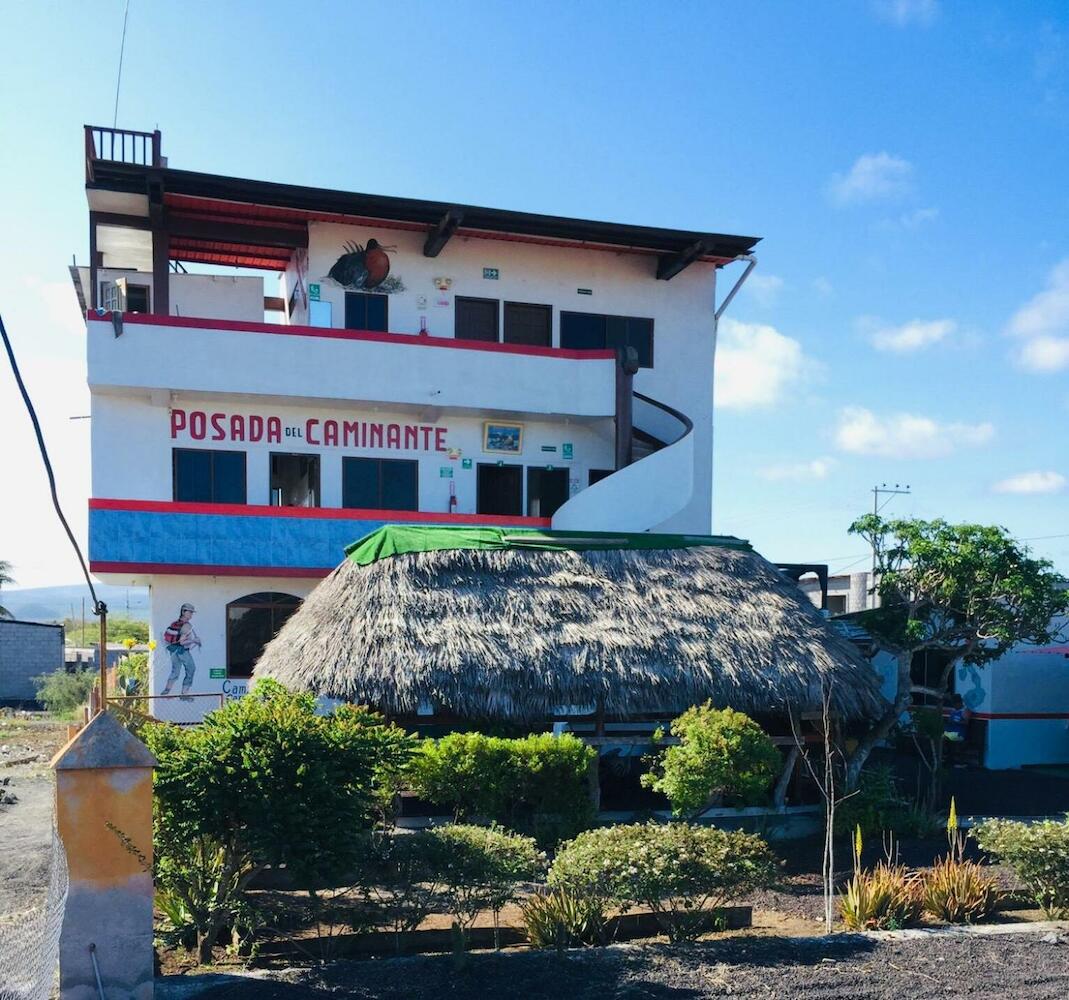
[{"x": 121, "y": 145}]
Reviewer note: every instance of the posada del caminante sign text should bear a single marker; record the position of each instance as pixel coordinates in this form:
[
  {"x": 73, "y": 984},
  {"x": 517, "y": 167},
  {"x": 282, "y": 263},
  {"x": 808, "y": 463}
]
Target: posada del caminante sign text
[{"x": 200, "y": 425}]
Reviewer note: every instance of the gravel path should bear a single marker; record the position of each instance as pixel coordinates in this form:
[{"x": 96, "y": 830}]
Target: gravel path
[{"x": 846, "y": 967}]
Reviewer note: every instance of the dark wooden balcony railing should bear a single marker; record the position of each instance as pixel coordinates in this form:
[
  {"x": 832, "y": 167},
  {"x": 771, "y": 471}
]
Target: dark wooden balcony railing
[{"x": 121, "y": 145}]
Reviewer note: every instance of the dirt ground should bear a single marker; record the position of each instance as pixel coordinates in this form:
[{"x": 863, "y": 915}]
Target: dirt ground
[
  {"x": 1028, "y": 967},
  {"x": 27, "y": 800}
]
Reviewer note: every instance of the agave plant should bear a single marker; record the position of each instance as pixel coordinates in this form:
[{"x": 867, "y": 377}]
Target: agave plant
[
  {"x": 563, "y": 918},
  {"x": 959, "y": 892}
]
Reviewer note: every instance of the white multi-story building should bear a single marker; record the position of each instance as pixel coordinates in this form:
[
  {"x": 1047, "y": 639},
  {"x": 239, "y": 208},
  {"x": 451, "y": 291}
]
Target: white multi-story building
[{"x": 425, "y": 362}]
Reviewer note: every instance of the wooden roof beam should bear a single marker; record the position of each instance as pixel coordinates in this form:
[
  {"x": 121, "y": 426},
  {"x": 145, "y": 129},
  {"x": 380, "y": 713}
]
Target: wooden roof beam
[
  {"x": 440, "y": 235},
  {"x": 671, "y": 264}
]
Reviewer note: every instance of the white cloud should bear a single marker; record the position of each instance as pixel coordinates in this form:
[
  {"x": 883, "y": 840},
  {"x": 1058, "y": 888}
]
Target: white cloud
[
  {"x": 817, "y": 468},
  {"x": 1043, "y": 322},
  {"x": 906, "y": 12},
  {"x": 912, "y": 336},
  {"x": 755, "y": 365},
  {"x": 905, "y": 435},
  {"x": 1031, "y": 482},
  {"x": 764, "y": 288},
  {"x": 873, "y": 177}
]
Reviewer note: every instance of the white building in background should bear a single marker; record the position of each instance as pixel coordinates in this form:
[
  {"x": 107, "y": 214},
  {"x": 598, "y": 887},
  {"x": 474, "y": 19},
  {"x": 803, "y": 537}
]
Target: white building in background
[
  {"x": 1019, "y": 703},
  {"x": 382, "y": 360}
]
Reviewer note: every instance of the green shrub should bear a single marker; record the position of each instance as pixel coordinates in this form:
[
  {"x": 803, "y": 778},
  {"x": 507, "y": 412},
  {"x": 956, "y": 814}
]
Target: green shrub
[
  {"x": 62, "y": 693},
  {"x": 561, "y": 919},
  {"x": 482, "y": 868},
  {"x": 264, "y": 781},
  {"x": 402, "y": 879},
  {"x": 885, "y": 898},
  {"x": 1039, "y": 855},
  {"x": 721, "y": 754},
  {"x": 536, "y": 785},
  {"x": 959, "y": 892},
  {"x": 683, "y": 873},
  {"x": 131, "y": 674},
  {"x": 877, "y": 806}
]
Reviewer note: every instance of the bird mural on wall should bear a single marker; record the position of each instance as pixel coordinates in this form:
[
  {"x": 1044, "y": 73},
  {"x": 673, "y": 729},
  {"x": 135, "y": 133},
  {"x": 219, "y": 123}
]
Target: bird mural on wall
[{"x": 365, "y": 267}]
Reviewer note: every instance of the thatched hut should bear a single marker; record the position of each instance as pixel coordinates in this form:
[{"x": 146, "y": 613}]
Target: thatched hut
[{"x": 528, "y": 626}]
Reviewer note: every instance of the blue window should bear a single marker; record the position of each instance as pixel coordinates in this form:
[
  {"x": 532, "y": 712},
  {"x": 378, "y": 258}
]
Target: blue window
[
  {"x": 207, "y": 476},
  {"x": 596, "y": 331},
  {"x": 380, "y": 484},
  {"x": 364, "y": 311}
]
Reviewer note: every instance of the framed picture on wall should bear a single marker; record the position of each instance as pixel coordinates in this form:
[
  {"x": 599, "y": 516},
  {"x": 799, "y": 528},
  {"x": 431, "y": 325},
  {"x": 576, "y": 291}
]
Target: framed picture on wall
[{"x": 502, "y": 438}]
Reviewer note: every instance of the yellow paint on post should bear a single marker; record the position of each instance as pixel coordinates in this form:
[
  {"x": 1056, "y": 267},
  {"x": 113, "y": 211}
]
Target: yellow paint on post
[{"x": 104, "y": 817}]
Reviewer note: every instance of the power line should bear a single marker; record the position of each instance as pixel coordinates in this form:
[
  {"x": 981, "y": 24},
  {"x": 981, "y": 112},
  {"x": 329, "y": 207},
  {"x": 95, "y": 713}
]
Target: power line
[
  {"x": 118, "y": 78},
  {"x": 98, "y": 606}
]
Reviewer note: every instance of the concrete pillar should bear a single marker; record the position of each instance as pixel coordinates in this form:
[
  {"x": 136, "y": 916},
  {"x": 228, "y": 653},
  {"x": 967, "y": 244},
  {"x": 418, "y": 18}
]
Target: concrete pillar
[
  {"x": 859, "y": 599},
  {"x": 104, "y": 817}
]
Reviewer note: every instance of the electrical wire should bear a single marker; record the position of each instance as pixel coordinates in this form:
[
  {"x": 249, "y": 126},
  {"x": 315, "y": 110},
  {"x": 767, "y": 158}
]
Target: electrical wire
[
  {"x": 99, "y": 607},
  {"x": 118, "y": 78}
]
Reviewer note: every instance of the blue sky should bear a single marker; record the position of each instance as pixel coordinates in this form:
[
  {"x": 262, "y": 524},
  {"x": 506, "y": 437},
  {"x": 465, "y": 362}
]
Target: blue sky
[{"x": 905, "y": 162}]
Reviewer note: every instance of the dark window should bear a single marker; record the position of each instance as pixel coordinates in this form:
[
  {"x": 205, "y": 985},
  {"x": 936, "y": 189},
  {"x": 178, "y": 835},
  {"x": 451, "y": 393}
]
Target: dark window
[
  {"x": 597, "y": 475},
  {"x": 137, "y": 298},
  {"x": 364, "y": 311},
  {"x": 251, "y": 623},
  {"x": 837, "y": 604},
  {"x": 294, "y": 480},
  {"x": 500, "y": 490},
  {"x": 547, "y": 491},
  {"x": 380, "y": 483},
  {"x": 594, "y": 331},
  {"x": 476, "y": 319},
  {"x": 528, "y": 324},
  {"x": 205, "y": 476}
]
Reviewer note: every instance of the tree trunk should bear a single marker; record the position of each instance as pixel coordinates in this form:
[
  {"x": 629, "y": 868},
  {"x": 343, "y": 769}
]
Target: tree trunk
[{"x": 879, "y": 731}]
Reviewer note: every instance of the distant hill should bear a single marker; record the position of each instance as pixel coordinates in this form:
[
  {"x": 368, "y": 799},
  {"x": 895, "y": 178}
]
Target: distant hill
[{"x": 50, "y": 604}]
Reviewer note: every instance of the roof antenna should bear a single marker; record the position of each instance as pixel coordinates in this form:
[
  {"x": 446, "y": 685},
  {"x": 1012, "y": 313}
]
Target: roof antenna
[{"x": 118, "y": 79}]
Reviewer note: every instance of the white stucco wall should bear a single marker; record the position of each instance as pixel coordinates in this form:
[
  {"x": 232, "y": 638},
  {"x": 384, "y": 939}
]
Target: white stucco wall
[
  {"x": 621, "y": 284},
  {"x": 137, "y": 466},
  {"x": 233, "y": 297}
]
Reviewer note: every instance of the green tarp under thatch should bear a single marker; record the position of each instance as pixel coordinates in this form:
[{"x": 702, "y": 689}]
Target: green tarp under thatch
[
  {"x": 512, "y": 624},
  {"x": 395, "y": 540}
]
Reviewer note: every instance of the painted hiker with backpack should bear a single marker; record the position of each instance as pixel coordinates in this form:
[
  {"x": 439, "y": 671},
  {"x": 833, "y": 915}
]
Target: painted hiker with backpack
[{"x": 180, "y": 638}]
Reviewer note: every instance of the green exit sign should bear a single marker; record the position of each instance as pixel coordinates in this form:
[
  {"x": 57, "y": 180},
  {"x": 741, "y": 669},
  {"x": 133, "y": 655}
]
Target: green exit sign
[
  {"x": 313, "y": 292},
  {"x": 491, "y": 273}
]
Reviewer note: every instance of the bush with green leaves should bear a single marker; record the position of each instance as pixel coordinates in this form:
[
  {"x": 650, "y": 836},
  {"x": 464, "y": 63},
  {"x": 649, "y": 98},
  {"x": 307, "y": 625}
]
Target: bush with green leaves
[
  {"x": 876, "y": 807},
  {"x": 682, "y": 872},
  {"x": 401, "y": 878},
  {"x": 482, "y": 868},
  {"x": 64, "y": 693},
  {"x": 721, "y": 754},
  {"x": 537, "y": 785},
  {"x": 265, "y": 780},
  {"x": 959, "y": 891},
  {"x": 887, "y": 897},
  {"x": 1038, "y": 853}
]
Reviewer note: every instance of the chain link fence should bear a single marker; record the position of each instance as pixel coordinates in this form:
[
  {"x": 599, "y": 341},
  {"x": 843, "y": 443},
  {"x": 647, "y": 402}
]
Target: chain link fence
[
  {"x": 29, "y": 939},
  {"x": 180, "y": 710}
]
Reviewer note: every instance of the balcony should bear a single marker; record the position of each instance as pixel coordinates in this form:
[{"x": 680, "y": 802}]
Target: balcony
[{"x": 170, "y": 353}]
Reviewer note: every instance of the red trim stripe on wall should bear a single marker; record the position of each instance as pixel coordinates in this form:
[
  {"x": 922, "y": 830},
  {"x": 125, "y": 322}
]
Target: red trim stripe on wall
[
  {"x": 313, "y": 513},
  {"x": 365, "y": 336},
  {"x": 190, "y": 569}
]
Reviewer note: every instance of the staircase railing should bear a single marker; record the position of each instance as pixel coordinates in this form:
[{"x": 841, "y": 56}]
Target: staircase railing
[
  {"x": 121, "y": 145},
  {"x": 645, "y": 494}
]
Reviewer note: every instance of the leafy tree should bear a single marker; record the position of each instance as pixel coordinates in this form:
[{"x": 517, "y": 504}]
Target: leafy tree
[
  {"x": 969, "y": 591},
  {"x": 720, "y": 753},
  {"x": 5, "y": 577},
  {"x": 119, "y": 628},
  {"x": 264, "y": 781},
  {"x": 64, "y": 693}
]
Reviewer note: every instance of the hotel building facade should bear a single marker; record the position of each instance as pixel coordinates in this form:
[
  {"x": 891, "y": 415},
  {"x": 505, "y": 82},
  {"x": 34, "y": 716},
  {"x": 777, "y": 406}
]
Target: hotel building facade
[{"x": 375, "y": 360}]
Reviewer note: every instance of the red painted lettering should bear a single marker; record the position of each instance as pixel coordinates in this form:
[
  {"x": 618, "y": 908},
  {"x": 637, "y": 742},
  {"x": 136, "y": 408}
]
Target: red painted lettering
[
  {"x": 375, "y": 436},
  {"x": 237, "y": 427},
  {"x": 178, "y": 422},
  {"x": 426, "y": 437},
  {"x": 411, "y": 437},
  {"x": 218, "y": 430},
  {"x": 350, "y": 433},
  {"x": 393, "y": 436},
  {"x": 439, "y": 438},
  {"x": 256, "y": 428},
  {"x": 274, "y": 430},
  {"x": 309, "y": 425},
  {"x": 330, "y": 432},
  {"x": 198, "y": 425}
]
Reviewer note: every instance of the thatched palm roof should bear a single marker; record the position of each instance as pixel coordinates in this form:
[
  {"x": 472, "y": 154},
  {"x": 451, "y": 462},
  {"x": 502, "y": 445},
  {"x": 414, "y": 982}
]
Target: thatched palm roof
[{"x": 518, "y": 632}]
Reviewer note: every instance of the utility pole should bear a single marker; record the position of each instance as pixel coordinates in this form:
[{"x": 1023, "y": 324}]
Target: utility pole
[{"x": 889, "y": 492}]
